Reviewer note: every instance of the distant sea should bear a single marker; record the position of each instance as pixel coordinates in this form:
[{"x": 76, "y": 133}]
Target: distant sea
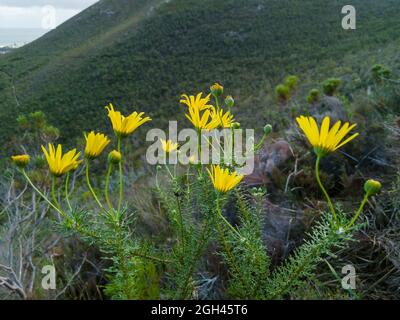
[{"x": 19, "y": 37}]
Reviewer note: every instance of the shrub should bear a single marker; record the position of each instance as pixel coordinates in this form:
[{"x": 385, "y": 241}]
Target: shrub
[
  {"x": 282, "y": 92},
  {"x": 330, "y": 86},
  {"x": 313, "y": 96},
  {"x": 292, "y": 82}
]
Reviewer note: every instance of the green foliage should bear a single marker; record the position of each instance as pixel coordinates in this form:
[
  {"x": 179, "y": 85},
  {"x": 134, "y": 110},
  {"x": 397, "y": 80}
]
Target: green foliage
[
  {"x": 330, "y": 86},
  {"x": 248, "y": 262},
  {"x": 300, "y": 267},
  {"x": 314, "y": 96},
  {"x": 380, "y": 72},
  {"x": 191, "y": 219}
]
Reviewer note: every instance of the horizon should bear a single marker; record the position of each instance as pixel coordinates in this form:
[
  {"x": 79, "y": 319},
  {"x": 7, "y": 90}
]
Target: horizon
[{"x": 22, "y": 23}]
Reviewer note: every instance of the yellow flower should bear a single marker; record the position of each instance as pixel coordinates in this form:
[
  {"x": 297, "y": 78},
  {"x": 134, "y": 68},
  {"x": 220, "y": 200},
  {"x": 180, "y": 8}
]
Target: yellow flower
[
  {"x": 95, "y": 144},
  {"x": 199, "y": 121},
  {"x": 220, "y": 119},
  {"x": 325, "y": 140},
  {"x": 168, "y": 146},
  {"x": 21, "y": 161},
  {"x": 124, "y": 126},
  {"x": 199, "y": 110},
  {"x": 196, "y": 103},
  {"x": 222, "y": 179},
  {"x": 216, "y": 89},
  {"x": 60, "y": 164}
]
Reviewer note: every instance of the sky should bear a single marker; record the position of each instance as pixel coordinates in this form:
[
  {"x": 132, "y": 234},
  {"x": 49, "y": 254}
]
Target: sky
[{"x": 40, "y": 14}]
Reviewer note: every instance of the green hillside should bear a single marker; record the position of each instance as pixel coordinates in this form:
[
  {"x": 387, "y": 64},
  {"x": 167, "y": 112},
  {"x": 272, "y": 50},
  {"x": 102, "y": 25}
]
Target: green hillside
[{"x": 143, "y": 54}]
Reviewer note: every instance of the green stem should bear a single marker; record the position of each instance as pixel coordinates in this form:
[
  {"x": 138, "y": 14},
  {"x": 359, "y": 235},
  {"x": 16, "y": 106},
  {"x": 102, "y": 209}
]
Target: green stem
[
  {"x": 219, "y": 211},
  {"x": 121, "y": 257},
  {"x": 323, "y": 189},
  {"x": 121, "y": 190},
  {"x": 90, "y": 186},
  {"x": 53, "y": 191},
  {"x": 259, "y": 144},
  {"x": 66, "y": 192},
  {"x": 40, "y": 193},
  {"x": 108, "y": 186},
  {"x": 199, "y": 151},
  {"x": 181, "y": 224},
  {"x": 364, "y": 201}
]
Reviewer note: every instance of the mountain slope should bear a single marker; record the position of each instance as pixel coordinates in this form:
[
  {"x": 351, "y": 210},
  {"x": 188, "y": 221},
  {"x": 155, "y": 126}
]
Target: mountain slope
[{"x": 143, "y": 54}]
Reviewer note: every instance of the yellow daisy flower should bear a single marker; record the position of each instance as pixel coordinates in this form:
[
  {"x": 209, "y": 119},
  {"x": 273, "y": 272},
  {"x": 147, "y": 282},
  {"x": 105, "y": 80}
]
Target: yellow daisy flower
[
  {"x": 222, "y": 179},
  {"x": 196, "y": 103},
  {"x": 60, "y": 164},
  {"x": 95, "y": 144},
  {"x": 325, "y": 140},
  {"x": 168, "y": 146},
  {"x": 221, "y": 119},
  {"x": 124, "y": 126}
]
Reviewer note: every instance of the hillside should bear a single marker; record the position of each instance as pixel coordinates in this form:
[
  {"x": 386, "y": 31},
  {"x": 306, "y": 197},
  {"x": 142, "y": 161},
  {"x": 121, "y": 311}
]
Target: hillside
[{"x": 143, "y": 54}]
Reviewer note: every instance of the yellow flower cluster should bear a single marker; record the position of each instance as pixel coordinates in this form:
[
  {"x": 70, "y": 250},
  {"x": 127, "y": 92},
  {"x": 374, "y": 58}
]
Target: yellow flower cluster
[
  {"x": 169, "y": 146},
  {"x": 205, "y": 116},
  {"x": 60, "y": 164}
]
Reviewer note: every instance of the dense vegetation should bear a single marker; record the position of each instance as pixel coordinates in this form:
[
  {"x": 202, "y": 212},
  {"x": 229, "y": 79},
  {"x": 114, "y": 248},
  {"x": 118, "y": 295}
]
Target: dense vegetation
[{"x": 144, "y": 54}]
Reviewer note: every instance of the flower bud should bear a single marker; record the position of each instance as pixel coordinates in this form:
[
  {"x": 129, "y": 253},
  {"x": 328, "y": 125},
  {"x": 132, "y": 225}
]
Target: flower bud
[
  {"x": 229, "y": 101},
  {"x": 114, "y": 157},
  {"x": 372, "y": 187},
  {"x": 267, "y": 129},
  {"x": 216, "y": 89},
  {"x": 235, "y": 125},
  {"x": 21, "y": 161}
]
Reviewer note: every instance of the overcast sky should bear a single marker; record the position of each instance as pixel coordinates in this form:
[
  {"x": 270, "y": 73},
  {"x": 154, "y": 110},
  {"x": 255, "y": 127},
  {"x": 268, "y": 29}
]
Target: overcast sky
[{"x": 39, "y": 13}]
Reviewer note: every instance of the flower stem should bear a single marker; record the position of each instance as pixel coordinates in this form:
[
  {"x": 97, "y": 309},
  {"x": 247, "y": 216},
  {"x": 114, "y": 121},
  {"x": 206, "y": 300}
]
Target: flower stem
[
  {"x": 199, "y": 158},
  {"x": 40, "y": 193},
  {"x": 66, "y": 192},
  {"x": 363, "y": 202},
  {"x": 121, "y": 190},
  {"x": 260, "y": 143},
  {"x": 53, "y": 191},
  {"x": 108, "y": 186},
  {"x": 219, "y": 211},
  {"x": 90, "y": 186},
  {"x": 332, "y": 209}
]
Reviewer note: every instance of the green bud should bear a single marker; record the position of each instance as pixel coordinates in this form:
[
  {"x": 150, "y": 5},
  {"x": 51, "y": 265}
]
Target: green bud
[
  {"x": 229, "y": 101},
  {"x": 216, "y": 89},
  {"x": 21, "y": 161},
  {"x": 235, "y": 125},
  {"x": 267, "y": 129},
  {"x": 372, "y": 187},
  {"x": 114, "y": 157}
]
